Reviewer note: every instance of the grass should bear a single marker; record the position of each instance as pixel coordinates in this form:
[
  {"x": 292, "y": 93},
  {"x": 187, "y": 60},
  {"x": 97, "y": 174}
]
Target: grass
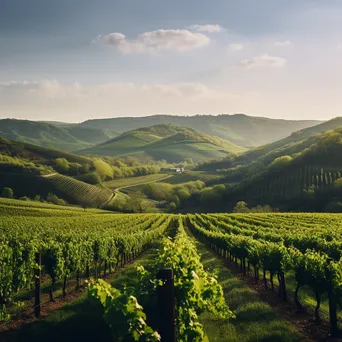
[
  {"x": 255, "y": 320},
  {"x": 307, "y": 297},
  {"x": 78, "y": 320},
  {"x": 7, "y": 202},
  {"x": 189, "y": 176},
  {"x": 132, "y": 181}
]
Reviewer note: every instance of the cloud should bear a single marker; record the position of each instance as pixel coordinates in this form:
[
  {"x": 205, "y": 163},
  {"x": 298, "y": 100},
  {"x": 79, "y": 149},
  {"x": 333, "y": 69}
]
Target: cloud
[
  {"x": 236, "y": 47},
  {"x": 284, "y": 43},
  {"x": 206, "y": 28},
  {"x": 50, "y": 99},
  {"x": 263, "y": 61},
  {"x": 155, "y": 41}
]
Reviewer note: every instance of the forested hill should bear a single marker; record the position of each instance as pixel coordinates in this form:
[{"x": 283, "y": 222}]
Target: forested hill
[
  {"x": 260, "y": 157},
  {"x": 165, "y": 141},
  {"x": 63, "y": 137},
  {"x": 240, "y": 129},
  {"x": 307, "y": 180}
]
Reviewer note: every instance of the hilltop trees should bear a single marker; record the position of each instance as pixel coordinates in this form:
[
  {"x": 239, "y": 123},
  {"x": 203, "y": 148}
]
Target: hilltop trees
[{"x": 280, "y": 162}]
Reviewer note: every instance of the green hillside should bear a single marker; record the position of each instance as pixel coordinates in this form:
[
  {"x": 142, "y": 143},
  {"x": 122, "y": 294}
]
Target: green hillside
[
  {"x": 35, "y": 153},
  {"x": 79, "y": 192},
  {"x": 169, "y": 142},
  {"x": 67, "y": 188},
  {"x": 240, "y": 129},
  {"x": 304, "y": 180},
  {"x": 52, "y": 135},
  {"x": 259, "y": 157}
]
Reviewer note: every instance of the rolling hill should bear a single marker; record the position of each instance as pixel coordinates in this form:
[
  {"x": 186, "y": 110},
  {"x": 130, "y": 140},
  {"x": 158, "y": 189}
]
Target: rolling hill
[
  {"x": 52, "y": 135},
  {"x": 165, "y": 141},
  {"x": 67, "y": 188},
  {"x": 240, "y": 129},
  {"x": 302, "y": 178},
  {"x": 264, "y": 155},
  {"x": 35, "y": 153}
]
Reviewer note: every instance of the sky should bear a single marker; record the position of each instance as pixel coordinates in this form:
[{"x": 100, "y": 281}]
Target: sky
[{"x": 85, "y": 59}]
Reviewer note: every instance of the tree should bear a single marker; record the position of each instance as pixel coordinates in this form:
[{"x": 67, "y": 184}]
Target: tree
[
  {"x": 62, "y": 165},
  {"x": 159, "y": 191},
  {"x": 37, "y": 198},
  {"x": 241, "y": 207},
  {"x": 183, "y": 194},
  {"x": 103, "y": 169},
  {"x": 172, "y": 206},
  {"x": 338, "y": 183},
  {"x": 7, "y": 193},
  {"x": 74, "y": 169},
  {"x": 188, "y": 161},
  {"x": 280, "y": 162},
  {"x": 52, "y": 198},
  {"x": 209, "y": 197},
  {"x": 117, "y": 173},
  {"x": 135, "y": 205},
  {"x": 84, "y": 168}
]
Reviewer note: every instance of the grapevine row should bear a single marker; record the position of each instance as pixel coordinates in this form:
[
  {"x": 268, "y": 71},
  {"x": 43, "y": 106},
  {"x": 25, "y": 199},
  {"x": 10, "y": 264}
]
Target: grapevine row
[{"x": 312, "y": 268}]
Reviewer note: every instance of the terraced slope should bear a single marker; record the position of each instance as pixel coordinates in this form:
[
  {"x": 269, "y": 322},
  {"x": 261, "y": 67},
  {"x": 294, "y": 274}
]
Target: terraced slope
[{"x": 80, "y": 192}]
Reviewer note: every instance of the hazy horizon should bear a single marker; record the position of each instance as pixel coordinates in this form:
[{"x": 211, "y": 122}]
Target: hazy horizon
[
  {"x": 144, "y": 116},
  {"x": 73, "y": 61}
]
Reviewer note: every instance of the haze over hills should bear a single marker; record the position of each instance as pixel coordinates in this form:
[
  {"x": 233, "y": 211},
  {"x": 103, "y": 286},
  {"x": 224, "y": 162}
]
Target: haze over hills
[
  {"x": 240, "y": 129},
  {"x": 165, "y": 141},
  {"x": 264, "y": 155},
  {"x": 60, "y": 136}
]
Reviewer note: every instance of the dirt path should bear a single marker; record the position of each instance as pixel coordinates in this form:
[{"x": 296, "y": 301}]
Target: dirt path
[{"x": 49, "y": 175}]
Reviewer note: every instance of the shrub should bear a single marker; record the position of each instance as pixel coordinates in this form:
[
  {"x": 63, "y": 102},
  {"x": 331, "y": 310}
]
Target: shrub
[
  {"x": 52, "y": 198},
  {"x": 7, "y": 193},
  {"x": 172, "y": 206}
]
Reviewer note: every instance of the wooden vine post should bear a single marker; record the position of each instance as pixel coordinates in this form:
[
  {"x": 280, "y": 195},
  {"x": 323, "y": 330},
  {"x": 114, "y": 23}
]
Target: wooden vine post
[
  {"x": 166, "y": 301},
  {"x": 37, "y": 305}
]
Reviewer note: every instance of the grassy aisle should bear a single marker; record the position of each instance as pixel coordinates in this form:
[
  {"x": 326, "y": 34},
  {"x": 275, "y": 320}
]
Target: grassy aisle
[
  {"x": 255, "y": 320},
  {"x": 77, "y": 320}
]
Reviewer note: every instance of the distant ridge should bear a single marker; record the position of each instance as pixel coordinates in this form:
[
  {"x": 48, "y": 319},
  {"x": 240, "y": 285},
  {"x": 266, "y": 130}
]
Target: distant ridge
[
  {"x": 65, "y": 137},
  {"x": 165, "y": 141},
  {"x": 240, "y": 129}
]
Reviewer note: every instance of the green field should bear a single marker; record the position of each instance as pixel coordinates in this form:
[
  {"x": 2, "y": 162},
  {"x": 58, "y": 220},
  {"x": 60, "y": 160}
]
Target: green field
[
  {"x": 40, "y": 207},
  {"x": 189, "y": 176},
  {"x": 132, "y": 181},
  {"x": 276, "y": 251}
]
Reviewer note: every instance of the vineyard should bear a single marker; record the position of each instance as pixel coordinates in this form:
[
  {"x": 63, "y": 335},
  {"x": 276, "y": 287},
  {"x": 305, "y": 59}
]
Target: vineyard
[
  {"x": 291, "y": 182},
  {"x": 80, "y": 192},
  {"x": 296, "y": 256}
]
